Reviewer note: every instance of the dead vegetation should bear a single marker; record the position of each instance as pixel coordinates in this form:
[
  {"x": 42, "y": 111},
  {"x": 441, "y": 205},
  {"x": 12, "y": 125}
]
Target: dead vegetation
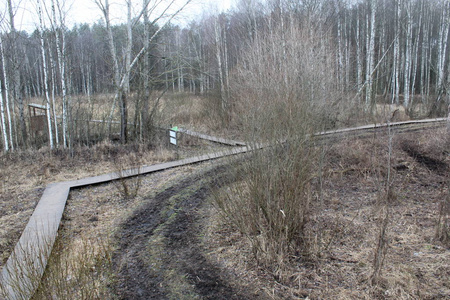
[
  {"x": 82, "y": 264},
  {"x": 327, "y": 253},
  {"x": 25, "y": 174},
  {"x": 340, "y": 234},
  {"x": 362, "y": 249}
]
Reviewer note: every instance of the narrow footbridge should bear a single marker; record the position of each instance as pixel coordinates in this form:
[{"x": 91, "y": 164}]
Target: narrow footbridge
[{"x": 21, "y": 275}]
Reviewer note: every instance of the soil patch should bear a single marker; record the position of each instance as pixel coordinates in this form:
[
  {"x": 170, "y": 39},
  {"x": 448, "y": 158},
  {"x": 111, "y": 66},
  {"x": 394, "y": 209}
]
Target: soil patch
[
  {"x": 160, "y": 253},
  {"x": 432, "y": 164}
]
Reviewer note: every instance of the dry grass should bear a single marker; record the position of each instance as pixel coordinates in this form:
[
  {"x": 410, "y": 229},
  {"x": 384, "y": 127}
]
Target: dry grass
[
  {"x": 344, "y": 229},
  {"x": 25, "y": 175},
  {"x": 198, "y": 113},
  {"x": 81, "y": 266}
]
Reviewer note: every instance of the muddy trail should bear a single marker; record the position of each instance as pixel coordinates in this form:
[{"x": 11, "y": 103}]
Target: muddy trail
[{"x": 160, "y": 253}]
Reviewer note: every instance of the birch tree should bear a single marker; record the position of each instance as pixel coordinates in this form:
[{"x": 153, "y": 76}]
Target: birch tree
[
  {"x": 59, "y": 28},
  {"x": 53, "y": 81},
  {"x": 3, "y": 125},
  {"x": 408, "y": 54},
  {"x": 370, "y": 53},
  {"x": 44, "y": 70},
  {"x": 359, "y": 68},
  {"x": 396, "y": 59},
  {"x": 16, "y": 74},
  {"x": 7, "y": 95},
  {"x": 162, "y": 14},
  {"x": 218, "y": 38},
  {"x": 442, "y": 47}
]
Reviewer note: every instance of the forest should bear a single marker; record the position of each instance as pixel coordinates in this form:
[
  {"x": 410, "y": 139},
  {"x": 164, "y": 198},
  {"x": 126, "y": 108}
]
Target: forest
[{"x": 383, "y": 51}]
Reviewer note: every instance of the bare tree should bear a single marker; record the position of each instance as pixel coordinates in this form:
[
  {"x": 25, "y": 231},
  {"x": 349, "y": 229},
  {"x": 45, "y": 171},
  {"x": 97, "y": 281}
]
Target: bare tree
[
  {"x": 442, "y": 47},
  {"x": 7, "y": 95},
  {"x": 3, "y": 125},
  {"x": 59, "y": 28},
  {"x": 121, "y": 78},
  {"x": 218, "y": 38},
  {"x": 396, "y": 59},
  {"x": 370, "y": 57},
  {"x": 44, "y": 70},
  {"x": 16, "y": 75},
  {"x": 408, "y": 54}
]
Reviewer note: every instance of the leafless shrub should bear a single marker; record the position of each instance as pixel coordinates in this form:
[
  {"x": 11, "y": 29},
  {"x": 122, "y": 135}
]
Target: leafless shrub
[
  {"x": 443, "y": 223},
  {"x": 81, "y": 271},
  {"x": 129, "y": 181},
  {"x": 384, "y": 203},
  {"x": 283, "y": 92},
  {"x": 78, "y": 270}
]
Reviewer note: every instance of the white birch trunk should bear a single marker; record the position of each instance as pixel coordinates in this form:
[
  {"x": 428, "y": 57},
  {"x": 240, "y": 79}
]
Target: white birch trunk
[
  {"x": 16, "y": 78},
  {"x": 408, "y": 53},
  {"x": 7, "y": 95},
  {"x": 128, "y": 49},
  {"x": 144, "y": 115},
  {"x": 44, "y": 66},
  {"x": 225, "y": 55},
  {"x": 348, "y": 37},
  {"x": 442, "y": 46},
  {"x": 423, "y": 65},
  {"x": 61, "y": 52},
  {"x": 2, "y": 113},
  {"x": 217, "y": 31},
  {"x": 358, "y": 55},
  {"x": 416, "y": 54},
  {"x": 370, "y": 55},
  {"x": 397, "y": 53},
  {"x": 340, "y": 48},
  {"x": 53, "y": 79}
]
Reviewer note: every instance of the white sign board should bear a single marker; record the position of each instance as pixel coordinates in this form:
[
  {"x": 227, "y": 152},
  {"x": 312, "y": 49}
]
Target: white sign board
[{"x": 173, "y": 137}]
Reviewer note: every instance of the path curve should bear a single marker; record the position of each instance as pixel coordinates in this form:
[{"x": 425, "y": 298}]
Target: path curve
[{"x": 22, "y": 272}]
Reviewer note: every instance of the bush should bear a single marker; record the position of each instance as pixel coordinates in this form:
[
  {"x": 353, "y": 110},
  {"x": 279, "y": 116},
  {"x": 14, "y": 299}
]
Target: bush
[{"x": 282, "y": 94}]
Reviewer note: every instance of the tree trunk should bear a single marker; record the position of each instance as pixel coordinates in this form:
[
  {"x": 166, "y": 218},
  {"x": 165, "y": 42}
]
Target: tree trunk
[
  {"x": 61, "y": 52},
  {"x": 3, "y": 125},
  {"x": 144, "y": 120},
  {"x": 340, "y": 61},
  {"x": 408, "y": 54},
  {"x": 17, "y": 82},
  {"x": 424, "y": 55},
  {"x": 123, "y": 118},
  {"x": 44, "y": 66},
  {"x": 370, "y": 54},
  {"x": 7, "y": 95},
  {"x": 105, "y": 10},
  {"x": 223, "y": 98},
  {"x": 53, "y": 80},
  {"x": 442, "y": 47},
  {"x": 416, "y": 53},
  {"x": 358, "y": 55}
]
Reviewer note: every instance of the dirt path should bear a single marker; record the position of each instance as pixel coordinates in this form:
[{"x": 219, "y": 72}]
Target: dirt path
[{"x": 160, "y": 253}]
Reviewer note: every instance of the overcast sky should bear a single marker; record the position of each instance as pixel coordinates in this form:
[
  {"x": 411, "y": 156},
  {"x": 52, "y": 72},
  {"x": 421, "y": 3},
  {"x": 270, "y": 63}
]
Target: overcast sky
[{"x": 86, "y": 11}]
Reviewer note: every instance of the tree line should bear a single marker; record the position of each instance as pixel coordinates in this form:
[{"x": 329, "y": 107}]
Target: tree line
[{"x": 394, "y": 51}]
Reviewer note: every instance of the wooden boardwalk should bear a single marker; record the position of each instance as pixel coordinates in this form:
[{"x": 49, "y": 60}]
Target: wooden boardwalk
[
  {"x": 23, "y": 271},
  {"x": 211, "y": 138}
]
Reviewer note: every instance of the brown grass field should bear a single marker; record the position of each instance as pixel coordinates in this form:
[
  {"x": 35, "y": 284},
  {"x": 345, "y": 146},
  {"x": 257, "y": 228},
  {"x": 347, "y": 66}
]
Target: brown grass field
[{"x": 171, "y": 242}]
